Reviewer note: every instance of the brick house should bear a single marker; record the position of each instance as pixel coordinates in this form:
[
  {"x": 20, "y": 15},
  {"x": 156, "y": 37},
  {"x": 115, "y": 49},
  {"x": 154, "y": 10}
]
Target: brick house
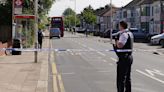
[
  {"x": 104, "y": 18},
  {"x": 144, "y": 14}
]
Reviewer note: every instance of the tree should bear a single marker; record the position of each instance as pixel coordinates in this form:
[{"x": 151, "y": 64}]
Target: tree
[
  {"x": 44, "y": 6},
  {"x": 6, "y": 12},
  {"x": 69, "y": 18},
  {"x": 68, "y": 12},
  {"x": 88, "y": 15}
]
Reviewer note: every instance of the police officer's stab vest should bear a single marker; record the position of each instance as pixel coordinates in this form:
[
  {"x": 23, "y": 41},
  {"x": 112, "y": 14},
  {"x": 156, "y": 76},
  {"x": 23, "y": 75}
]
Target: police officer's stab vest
[{"x": 128, "y": 46}]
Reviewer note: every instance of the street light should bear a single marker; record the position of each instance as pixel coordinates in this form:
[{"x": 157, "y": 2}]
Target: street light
[
  {"x": 75, "y": 15},
  {"x": 111, "y": 21}
]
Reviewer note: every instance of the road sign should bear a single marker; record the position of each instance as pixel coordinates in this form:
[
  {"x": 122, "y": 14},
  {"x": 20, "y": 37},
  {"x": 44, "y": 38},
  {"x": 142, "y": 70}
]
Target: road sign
[
  {"x": 24, "y": 16},
  {"x": 18, "y": 4}
]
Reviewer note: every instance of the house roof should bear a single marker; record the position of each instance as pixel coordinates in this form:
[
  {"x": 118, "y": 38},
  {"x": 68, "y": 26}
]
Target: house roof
[
  {"x": 105, "y": 11},
  {"x": 139, "y": 2},
  {"x": 101, "y": 11},
  {"x": 108, "y": 13}
]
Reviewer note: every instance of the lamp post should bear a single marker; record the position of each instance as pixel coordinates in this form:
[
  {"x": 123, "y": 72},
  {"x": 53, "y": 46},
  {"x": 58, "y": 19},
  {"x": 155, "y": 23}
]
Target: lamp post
[
  {"x": 13, "y": 25},
  {"x": 111, "y": 21},
  {"x": 75, "y": 15},
  {"x": 36, "y": 30}
]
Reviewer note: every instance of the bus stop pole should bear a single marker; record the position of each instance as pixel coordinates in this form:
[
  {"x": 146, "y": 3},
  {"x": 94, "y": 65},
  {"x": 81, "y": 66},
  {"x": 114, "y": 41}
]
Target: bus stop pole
[{"x": 36, "y": 30}]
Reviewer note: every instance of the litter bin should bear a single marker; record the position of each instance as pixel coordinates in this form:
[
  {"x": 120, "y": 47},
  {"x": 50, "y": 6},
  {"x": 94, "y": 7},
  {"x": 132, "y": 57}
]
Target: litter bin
[{"x": 16, "y": 44}]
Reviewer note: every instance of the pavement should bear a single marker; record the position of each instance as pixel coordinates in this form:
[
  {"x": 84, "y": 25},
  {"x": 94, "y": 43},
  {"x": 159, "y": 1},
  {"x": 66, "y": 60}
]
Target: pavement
[
  {"x": 21, "y": 74},
  {"x": 95, "y": 71}
]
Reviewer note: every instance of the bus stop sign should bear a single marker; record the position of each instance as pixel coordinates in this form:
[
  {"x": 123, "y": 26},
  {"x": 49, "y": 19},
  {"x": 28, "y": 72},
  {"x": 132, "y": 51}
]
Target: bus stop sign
[{"x": 24, "y": 16}]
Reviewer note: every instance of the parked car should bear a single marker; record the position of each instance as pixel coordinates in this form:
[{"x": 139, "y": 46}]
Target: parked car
[
  {"x": 81, "y": 30},
  {"x": 138, "y": 33},
  {"x": 55, "y": 32},
  {"x": 158, "y": 39},
  {"x": 106, "y": 34}
]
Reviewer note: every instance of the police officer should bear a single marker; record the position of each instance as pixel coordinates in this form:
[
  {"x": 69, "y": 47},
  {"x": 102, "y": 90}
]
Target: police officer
[
  {"x": 123, "y": 47},
  {"x": 40, "y": 38}
]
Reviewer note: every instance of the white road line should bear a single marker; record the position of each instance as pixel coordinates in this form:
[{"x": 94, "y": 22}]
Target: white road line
[
  {"x": 104, "y": 71},
  {"x": 152, "y": 77},
  {"x": 110, "y": 64},
  {"x": 83, "y": 45},
  {"x": 101, "y": 53},
  {"x": 91, "y": 49},
  {"x": 114, "y": 59},
  {"x": 71, "y": 73},
  {"x": 104, "y": 61},
  {"x": 78, "y": 54},
  {"x": 97, "y": 51},
  {"x": 72, "y": 54}
]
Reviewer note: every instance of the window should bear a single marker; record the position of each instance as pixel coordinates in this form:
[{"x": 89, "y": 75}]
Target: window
[
  {"x": 157, "y": 9},
  {"x": 162, "y": 6},
  {"x": 145, "y": 11},
  {"x": 152, "y": 11},
  {"x": 124, "y": 14}
]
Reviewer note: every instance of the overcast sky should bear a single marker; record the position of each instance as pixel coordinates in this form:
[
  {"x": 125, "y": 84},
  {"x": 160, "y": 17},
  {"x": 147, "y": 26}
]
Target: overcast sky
[{"x": 60, "y": 5}]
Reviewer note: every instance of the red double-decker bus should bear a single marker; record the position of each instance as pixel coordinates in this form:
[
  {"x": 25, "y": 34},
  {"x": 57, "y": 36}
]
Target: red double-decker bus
[{"x": 57, "y": 22}]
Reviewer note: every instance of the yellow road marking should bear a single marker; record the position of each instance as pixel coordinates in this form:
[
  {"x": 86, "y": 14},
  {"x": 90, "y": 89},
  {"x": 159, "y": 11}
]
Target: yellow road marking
[
  {"x": 58, "y": 85},
  {"x": 61, "y": 85},
  {"x": 55, "y": 85},
  {"x": 54, "y": 69}
]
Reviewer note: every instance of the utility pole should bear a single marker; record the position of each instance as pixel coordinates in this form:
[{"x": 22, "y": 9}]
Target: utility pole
[
  {"x": 75, "y": 15},
  {"x": 111, "y": 9},
  {"x": 13, "y": 26},
  {"x": 69, "y": 18},
  {"x": 36, "y": 30}
]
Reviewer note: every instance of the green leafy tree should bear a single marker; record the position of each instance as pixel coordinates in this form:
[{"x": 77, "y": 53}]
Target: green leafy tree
[
  {"x": 88, "y": 15},
  {"x": 68, "y": 12},
  {"x": 44, "y": 6},
  {"x": 6, "y": 12},
  {"x": 69, "y": 18}
]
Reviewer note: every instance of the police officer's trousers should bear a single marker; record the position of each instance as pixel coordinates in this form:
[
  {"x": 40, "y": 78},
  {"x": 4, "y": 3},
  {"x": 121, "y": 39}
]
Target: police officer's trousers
[{"x": 124, "y": 74}]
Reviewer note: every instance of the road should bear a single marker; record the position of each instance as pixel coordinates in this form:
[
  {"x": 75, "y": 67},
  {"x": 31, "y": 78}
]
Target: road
[{"x": 95, "y": 70}]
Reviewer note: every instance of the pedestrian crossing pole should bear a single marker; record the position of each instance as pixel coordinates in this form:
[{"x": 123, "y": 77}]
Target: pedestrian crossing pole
[{"x": 36, "y": 30}]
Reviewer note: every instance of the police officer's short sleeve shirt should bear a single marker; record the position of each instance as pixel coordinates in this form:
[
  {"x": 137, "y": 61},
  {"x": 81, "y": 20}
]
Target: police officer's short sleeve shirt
[{"x": 124, "y": 37}]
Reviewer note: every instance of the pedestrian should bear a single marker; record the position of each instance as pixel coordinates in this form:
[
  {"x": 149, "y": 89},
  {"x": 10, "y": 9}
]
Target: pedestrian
[
  {"x": 125, "y": 59},
  {"x": 40, "y": 38}
]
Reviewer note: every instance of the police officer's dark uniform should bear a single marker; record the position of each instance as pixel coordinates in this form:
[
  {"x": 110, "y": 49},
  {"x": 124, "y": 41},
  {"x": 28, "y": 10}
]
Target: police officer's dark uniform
[
  {"x": 40, "y": 38},
  {"x": 124, "y": 63}
]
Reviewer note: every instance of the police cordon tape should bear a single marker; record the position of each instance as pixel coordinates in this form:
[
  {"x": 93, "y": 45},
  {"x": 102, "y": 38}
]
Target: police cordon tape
[{"x": 76, "y": 50}]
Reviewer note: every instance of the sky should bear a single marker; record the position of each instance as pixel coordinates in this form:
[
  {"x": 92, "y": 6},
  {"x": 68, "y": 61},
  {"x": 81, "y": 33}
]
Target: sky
[{"x": 60, "y": 5}]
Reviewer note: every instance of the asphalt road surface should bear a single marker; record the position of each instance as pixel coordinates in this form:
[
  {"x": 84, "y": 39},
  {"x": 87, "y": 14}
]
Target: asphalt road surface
[{"x": 95, "y": 70}]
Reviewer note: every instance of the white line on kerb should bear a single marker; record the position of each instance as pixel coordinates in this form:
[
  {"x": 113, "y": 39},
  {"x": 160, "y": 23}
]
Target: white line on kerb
[{"x": 154, "y": 78}]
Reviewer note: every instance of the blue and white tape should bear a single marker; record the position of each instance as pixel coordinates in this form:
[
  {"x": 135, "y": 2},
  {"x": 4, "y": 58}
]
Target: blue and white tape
[{"x": 73, "y": 50}]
